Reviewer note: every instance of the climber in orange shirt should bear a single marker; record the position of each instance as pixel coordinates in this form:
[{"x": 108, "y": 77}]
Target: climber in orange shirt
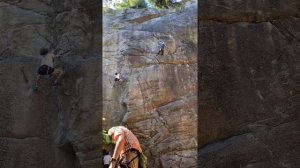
[{"x": 126, "y": 149}]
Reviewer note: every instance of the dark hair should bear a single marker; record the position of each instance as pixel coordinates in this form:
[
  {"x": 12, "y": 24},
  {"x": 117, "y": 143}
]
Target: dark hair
[
  {"x": 43, "y": 51},
  {"x": 105, "y": 152}
]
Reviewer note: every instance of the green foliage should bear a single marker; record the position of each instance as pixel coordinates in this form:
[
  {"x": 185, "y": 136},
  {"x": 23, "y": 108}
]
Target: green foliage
[
  {"x": 105, "y": 139},
  {"x": 105, "y": 9},
  {"x": 143, "y": 160},
  {"x": 191, "y": 38},
  {"x": 132, "y": 4},
  {"x": 165, "y": 4},
  {"x": 142, "y": 4}
]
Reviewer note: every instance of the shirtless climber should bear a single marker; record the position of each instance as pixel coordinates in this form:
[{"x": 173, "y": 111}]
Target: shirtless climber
[
  {"x": 46, "y": 67},
  {"x": 162, "y": 46}
]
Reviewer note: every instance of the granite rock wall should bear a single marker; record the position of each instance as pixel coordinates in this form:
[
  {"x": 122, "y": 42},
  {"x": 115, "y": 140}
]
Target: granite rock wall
[
  {"x": 249, "y": 84},
  {"x": 55, "y": 126}
]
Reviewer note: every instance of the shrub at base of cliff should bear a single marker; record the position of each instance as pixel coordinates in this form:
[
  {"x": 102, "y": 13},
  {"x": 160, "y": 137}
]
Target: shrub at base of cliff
[
  {"x": 160, "y": 4},
  {"x": 166, "y": 3},
  {"x": 132, "y": 4}
]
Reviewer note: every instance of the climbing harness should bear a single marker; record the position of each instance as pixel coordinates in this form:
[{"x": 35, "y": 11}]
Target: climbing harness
[{"x": 126, "y": 163}]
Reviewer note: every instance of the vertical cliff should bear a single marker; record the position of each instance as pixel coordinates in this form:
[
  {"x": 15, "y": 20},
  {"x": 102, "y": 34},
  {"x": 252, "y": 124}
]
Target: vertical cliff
[
  {"x": 249, "y": 84},
  {"x": 248, "y": 95},
  {"x": 158, "y": 100},
  {"x": 56, "y": 126}
]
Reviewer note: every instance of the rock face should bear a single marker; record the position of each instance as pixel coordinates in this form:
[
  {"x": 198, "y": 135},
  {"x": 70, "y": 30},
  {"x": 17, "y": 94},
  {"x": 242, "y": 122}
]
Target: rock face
[
  {"x": 56, "y": 126},
  {"x": 158, "y": 99},
  {"x": 248, "y": 96}
]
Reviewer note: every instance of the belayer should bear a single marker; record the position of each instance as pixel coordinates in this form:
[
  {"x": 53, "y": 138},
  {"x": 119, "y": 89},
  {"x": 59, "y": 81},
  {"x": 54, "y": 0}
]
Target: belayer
[
  {"x": 128, "y": 152},
  {"x": 46, "y": 67}
]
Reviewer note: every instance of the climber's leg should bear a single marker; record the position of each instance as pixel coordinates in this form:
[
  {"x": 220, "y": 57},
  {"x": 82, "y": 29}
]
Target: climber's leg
[
  {"x": 42, "y": 70},
  {"x": 158, "y": 53},
  {"x": 132, "y": 157},
  {"x": 115, "y": 81},
  {"x": 37, "y": 79},
  {"x": 57, "y": 73},
  {"x": 60, "y": 73}
]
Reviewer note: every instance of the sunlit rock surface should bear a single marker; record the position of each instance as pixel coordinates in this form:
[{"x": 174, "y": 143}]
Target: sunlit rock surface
[{"x": 158, "y": 100}]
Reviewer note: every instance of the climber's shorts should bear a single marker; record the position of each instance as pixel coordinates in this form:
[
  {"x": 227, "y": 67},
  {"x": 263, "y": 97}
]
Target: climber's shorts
[
  {"x": 45, "y": 70},
  {"x": 117, "y": 79}
]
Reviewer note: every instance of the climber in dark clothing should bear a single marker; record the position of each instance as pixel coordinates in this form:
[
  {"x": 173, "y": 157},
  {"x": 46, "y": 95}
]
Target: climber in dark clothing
[
  {"x": 162, "y": 46},
  {"x": 117, "y": 78},
  {"x": 46, "y": 67}
]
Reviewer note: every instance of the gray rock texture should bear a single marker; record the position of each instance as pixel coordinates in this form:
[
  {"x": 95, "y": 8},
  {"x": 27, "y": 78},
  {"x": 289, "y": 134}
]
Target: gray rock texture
[
  {"x": 56, "y": 126},
  {"x": 249, "y": 84},
  {"x": 248, "y": 95},
  {"x": 158, "y": 99}
]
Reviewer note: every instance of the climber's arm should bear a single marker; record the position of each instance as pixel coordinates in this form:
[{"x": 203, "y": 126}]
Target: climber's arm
[
  {"x": 54, "y": 55},
  {"x": 118, "y": 149}
]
